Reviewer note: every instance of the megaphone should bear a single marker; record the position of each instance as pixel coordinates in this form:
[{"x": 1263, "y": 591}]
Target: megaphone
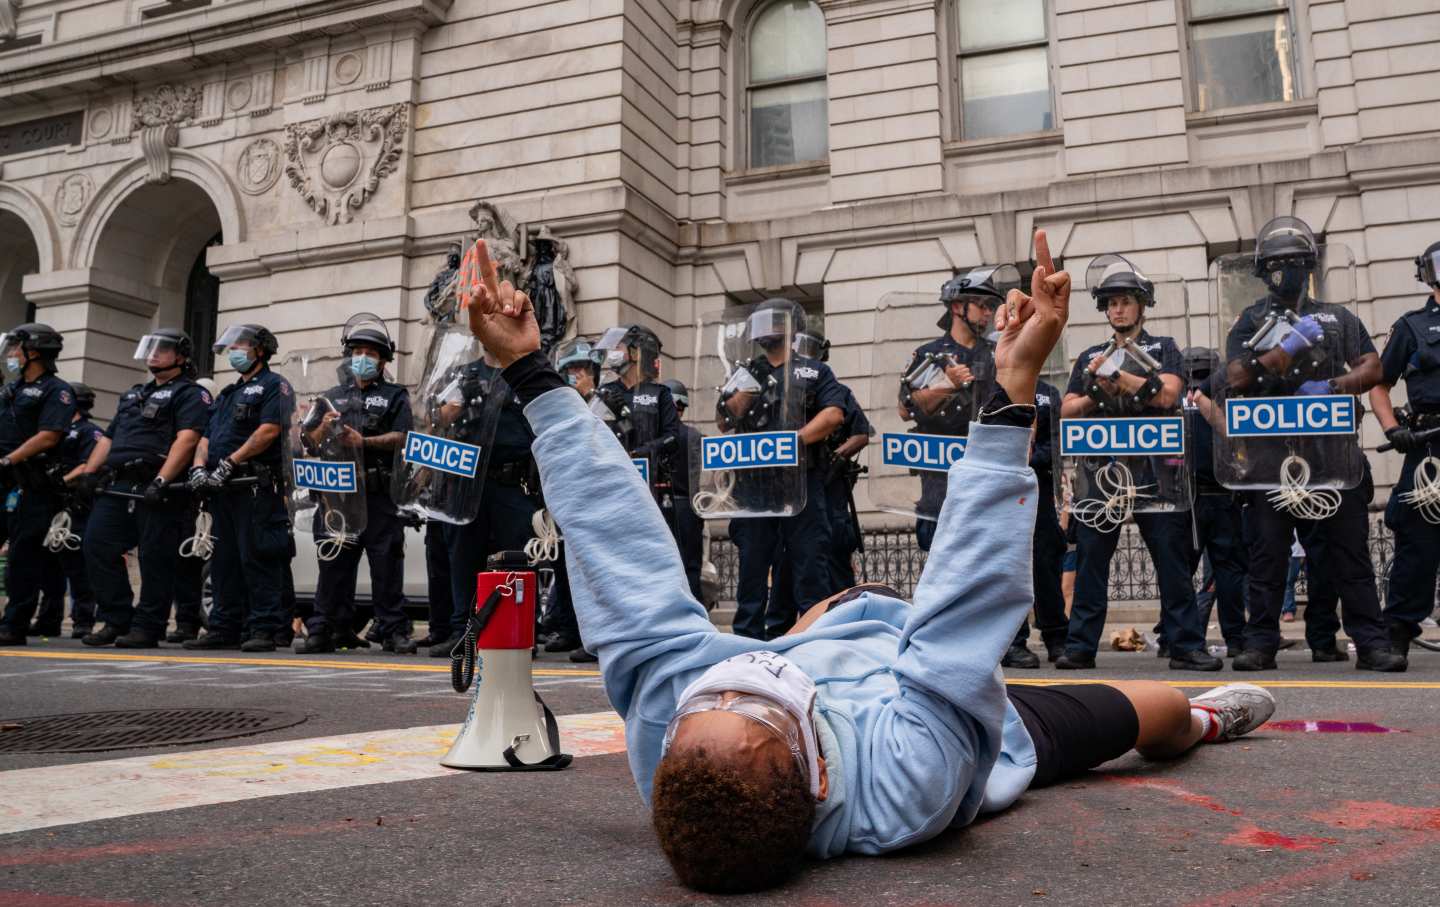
[{"x": 508, "y": 727}]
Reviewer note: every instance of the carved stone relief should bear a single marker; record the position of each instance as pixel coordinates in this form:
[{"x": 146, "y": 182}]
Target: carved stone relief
[
  {"x": 72, "y": 197},
  {"x": 259, "y": 167},
  {"x": 167, "y": 105},
  {"x": 337, "y": 162}
]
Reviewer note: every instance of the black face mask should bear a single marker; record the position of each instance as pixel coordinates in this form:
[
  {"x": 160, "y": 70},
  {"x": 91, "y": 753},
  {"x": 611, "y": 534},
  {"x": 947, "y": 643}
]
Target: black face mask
[{"x": 1288, "y": 281}]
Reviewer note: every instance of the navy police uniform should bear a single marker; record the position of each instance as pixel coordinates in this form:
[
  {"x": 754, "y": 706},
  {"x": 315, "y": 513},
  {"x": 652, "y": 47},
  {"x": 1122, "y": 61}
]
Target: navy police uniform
[
  {"x": 1219, "y": 533},
  {"x": 653, "y": 434},
  {"x": 801, "y": 540},
  {"x": 952, "y": 418},
  {"x": 26, "y": 409},
  {"x": 840, "y": 479},
  {"x": 75, "y": 449},
  {"x": 252, "y": 523},
  {"x": 1340, "y": 543},
  {"x": 510, "y": 497},
  {"x": 1166, "y": 535},
  {"x": 147, "y": 420},
  {"x": 379, "y": 408},
  {"x": 1413, "y": 354},
  {"x": 1049, "y": 545},
  {"x": 689, "y": 527}
]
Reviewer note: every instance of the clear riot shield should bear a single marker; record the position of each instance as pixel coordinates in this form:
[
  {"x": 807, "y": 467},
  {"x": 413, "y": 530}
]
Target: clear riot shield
[
  {"x": 1056, "y": 374},
  {"x": 927, "y": 389},
  {"x": 748, "y": 461},
  {"x": 324, "y": 459},
  {"x": 1128, "y": 453},
  {"x": 1279, "y": 424},
  {"x": 440, "y": 468}
]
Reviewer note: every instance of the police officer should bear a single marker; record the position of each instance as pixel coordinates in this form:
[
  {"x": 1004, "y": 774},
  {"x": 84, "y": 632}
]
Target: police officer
[
  {"x": 140, "y": 462},
  {"x": 36, "y": 410},
  {"x": 1322, "y": 337},
  {"x": 190, "y": 568},
  {"x": 802, "y": 539},
  {"x": 1219, "y": 527},
  {"x": 1048, "y": 548},
  {"x": 689, "y": 527},
  {"x": 508, "y": 502},
  {"x": 1413, "y": 513},
  {"x": 239, "y": 465},
  {"x": 1123, "y": 295},
  {"x": 970, "y": 300},
  {"x": 69, "y": 563},
  {"x": 646, "y": 412},
  {"x": 373, "y": 415}
]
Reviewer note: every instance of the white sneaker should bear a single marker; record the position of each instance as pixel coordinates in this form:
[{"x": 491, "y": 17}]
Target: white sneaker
[{"x": 1238, "y": 708}]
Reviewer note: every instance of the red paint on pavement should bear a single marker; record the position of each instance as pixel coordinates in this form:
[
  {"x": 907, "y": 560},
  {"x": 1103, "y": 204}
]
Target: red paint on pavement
[
  {"x": 1331, "y": 727},
  {"x": 49, "y": 856},
  {"x": 1174, "y": 789},
  {"x": 1255, "y": 836},
  {"x": 1357, "y": 814}
]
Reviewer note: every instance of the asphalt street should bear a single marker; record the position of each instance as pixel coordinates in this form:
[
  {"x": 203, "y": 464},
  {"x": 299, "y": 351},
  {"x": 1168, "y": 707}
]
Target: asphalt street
[{"x": 1337, "y": 804}]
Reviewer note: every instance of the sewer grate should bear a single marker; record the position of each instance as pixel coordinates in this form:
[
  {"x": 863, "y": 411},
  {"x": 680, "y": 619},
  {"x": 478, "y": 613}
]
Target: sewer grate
[{"x": 94, "y": 732}]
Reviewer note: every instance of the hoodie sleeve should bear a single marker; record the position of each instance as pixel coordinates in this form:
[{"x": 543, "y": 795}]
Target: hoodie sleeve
[
  {"x": 932, "y": 748},
  {"x": 632, "y": 600}
]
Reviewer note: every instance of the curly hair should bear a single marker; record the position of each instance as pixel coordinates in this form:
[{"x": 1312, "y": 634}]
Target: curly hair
[{"x": 726, "y": 830}]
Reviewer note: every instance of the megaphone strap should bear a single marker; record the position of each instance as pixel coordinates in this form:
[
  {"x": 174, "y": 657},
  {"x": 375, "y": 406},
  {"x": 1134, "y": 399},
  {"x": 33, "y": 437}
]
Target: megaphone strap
[{"x": 554, "y": 762}]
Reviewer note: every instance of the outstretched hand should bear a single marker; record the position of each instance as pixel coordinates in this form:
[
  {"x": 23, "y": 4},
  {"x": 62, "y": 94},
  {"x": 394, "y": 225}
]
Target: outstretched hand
[
  {"x": 1030, "y": 325},
  {"x": 500, "y": 315}
]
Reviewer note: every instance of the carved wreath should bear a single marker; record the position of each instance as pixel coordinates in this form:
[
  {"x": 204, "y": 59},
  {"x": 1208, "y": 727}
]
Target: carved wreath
[
  {"x": 381, "y": 130},
  {"x": 167, "y": 105}
]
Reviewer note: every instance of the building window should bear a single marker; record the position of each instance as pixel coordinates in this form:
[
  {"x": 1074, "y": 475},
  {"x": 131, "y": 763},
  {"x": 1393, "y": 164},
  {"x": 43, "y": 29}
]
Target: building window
[
  {"x": 1242, "y": 52},
  {"x": 786, "y": 94},
  {"x": 172, "y": 7},
  {"x": 1003, "y": 67},
  {"x": 202, "y": 310}
]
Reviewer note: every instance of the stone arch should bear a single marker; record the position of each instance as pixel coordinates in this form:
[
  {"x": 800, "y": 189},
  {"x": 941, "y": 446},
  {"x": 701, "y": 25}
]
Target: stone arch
[
  {"x": 32, "y": 211},
  {"x": 184, "y": 165}
]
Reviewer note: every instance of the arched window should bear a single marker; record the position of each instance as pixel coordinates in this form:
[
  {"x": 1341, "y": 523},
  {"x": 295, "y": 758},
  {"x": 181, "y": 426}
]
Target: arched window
[
  {"x": 785, "y": 93},
  {"x": 202, "y": 310}
]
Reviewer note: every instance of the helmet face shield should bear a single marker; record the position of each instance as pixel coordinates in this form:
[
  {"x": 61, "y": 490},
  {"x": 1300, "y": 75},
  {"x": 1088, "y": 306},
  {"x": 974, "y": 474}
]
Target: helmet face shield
[
  {"x": 1428, "y": 267},
  {"x": 10, "y": 344},
  {"x": 239, "y": 336},
  {"x": 1112, "y": 275},
  {"x": 768, "y": 324},
  {"x": 368, "y": 330},
  {"x": 155, "y": 344},
  {"x": 811, "y": 346}
]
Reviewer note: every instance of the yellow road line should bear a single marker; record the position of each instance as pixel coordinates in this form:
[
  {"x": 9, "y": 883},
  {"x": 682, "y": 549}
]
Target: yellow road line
[{"x": 444, "y": 667}]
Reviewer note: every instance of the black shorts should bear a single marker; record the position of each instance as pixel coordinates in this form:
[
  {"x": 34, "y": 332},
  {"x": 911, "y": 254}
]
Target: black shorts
[{"x": 1075, "y": 727}]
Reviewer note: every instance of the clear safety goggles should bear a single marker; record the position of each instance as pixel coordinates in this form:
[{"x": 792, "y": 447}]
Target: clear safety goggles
[
  {"x": 151, "y": 344},
  {"x": 763, "y": 711}
]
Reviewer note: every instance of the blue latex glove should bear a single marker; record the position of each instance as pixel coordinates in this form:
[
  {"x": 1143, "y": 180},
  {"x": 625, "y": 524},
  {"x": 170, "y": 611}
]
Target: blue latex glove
[
  {"x": 1313, "y": 389},
  {"x": 1305, "y": 333}
]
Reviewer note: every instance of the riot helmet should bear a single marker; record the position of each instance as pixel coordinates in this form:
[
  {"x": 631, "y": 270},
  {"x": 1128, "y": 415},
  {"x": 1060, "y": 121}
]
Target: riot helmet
[
  {"x": 572, "y": 356},
  {"x": 164, "y": 340},
  {"x": 1427, "y": 266},
  {"x": 84, "y": 396},
  {"x": 986, "y": 286},
  {"x": 31, "y": 337},
  {"x": 679, "y": 392},
  {"x": 252, "y": 336},
  {"x": 366, "y": 329},
  {"x": 615, "y": 346},
  {"x": 1113, "y": 275},
  {"x": 811, "y": 344},
  {"x": 771, "y": 319},
  {"x": 1200, "y": 364},
  {"x": 1286, "y": 256}
]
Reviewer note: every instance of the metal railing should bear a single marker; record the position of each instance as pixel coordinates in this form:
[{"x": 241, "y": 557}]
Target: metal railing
[{"x": 892, "y": 557}]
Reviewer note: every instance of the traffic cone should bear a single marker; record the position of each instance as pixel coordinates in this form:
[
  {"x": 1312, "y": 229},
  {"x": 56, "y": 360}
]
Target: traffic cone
[{"x": 508, "y": 727}]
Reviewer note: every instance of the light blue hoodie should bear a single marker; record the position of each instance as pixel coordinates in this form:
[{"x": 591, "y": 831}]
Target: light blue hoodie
[{"x": 913, "y": 720}]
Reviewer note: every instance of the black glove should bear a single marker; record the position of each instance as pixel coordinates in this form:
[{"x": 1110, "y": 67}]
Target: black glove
[
  {"x": 155, "y": 491},
  {"x": 198, "y": 478},
  {"x": 83, "y": 491},
  {"x": 221, "y": 473},
  {"x": 7, "y": 472},
  {"x": 1403, "y": 439}
]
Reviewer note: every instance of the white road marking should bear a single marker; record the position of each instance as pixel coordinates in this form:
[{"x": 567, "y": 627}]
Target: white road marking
[{"x": 45, "y": 797}]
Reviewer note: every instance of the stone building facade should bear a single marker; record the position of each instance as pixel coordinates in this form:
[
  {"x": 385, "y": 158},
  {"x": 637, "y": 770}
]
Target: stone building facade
[{"x": 293, "y": 162}]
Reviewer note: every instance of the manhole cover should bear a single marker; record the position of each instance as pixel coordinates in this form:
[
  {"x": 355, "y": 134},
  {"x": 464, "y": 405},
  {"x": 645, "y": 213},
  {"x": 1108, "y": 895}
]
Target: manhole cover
[{"x": 94, "y": 732}]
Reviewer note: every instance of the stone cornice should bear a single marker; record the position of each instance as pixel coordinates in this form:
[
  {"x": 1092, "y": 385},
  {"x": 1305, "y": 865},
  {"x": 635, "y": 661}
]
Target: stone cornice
[{"x": 195, "y": 40}]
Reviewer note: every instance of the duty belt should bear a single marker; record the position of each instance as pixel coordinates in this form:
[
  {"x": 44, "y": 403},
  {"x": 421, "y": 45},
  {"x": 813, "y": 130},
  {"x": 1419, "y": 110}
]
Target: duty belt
[
  {"x": 516, "y": 474},
  {"x": 1424, "y": 421}
]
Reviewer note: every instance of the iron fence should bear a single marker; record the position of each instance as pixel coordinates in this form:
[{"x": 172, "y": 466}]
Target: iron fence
[{"x": 892, "y": 557}]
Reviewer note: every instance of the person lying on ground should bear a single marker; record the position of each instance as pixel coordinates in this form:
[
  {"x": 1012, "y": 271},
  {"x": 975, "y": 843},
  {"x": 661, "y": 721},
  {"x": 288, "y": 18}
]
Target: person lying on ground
[{"x": 876, "y": 723}]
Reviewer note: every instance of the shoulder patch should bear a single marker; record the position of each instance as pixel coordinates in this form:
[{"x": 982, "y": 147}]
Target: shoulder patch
[
  {"x": 205, "y": 396},
  {"x": 285, "y": 388},
  {"x": 66, "y": 398}
]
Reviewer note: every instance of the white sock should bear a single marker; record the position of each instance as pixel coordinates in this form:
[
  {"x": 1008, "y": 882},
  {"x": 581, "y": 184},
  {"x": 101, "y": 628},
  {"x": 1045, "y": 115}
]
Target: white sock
[{"x": 1207, "y": 723}]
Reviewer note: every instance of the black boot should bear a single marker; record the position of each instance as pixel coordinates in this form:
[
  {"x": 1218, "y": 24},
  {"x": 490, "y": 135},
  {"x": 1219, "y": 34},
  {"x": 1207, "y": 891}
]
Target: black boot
[
  {"x": 208, "y": 640},
  {"x": 1198, "y": 660},
  {"x": 1020, "y": 656},
  {"x": 1327, "y": 655},
  {"x": 182, "y": 634},
  {"x": 138, "y": 639},
  {"x": 316, "y": 643},
  {"x": 1074, "y": 661},
  {"x": 442, "y": 648},
  {"x": 9, "y": 637},
  {"x": 559, "y": 643},
  {"x": 262, "y": 643},
  {"x": 580, "y": 656},
  {"x": 351, "y": 641},
  {"x": 105, "y": 636},
  {"x": 1400, "y": 640},
  {"x": 1254, "y": 660},
  {"x": 1054, "y": 647},
  {"x": 37, "y": 630},
  {"x": 80, "y": 632},
  {"x": 1382, "y": 660},
  {"x": 400, "y": 643}
]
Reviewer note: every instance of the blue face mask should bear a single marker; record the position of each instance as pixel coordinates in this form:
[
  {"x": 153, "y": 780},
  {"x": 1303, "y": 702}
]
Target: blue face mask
[
  {"x": 13, "y": 365},
  {"x": 240, "y": 360},
  {"x": 363, "y": 367},
  {"x": 572, "y": 379}
]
